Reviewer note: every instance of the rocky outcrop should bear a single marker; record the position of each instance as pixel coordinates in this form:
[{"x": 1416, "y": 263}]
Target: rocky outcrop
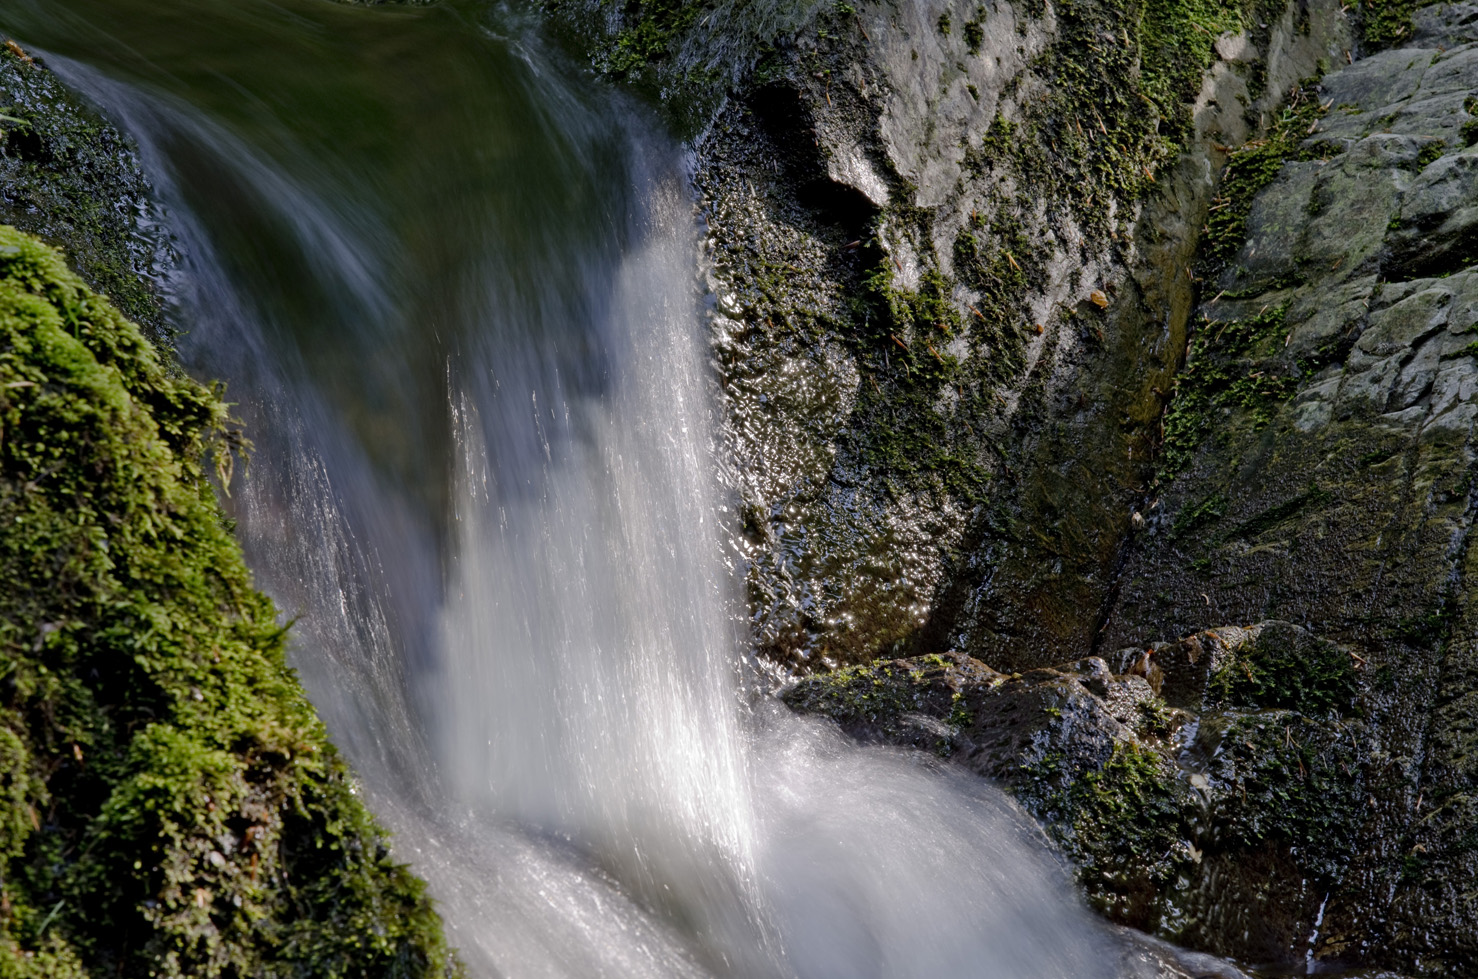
[
  {"x": 952, "y": 249},
  {"x": 1322, "y": 446},
  {"x": 74, "y": 180},
  {"x": 1221, "y": 826}
]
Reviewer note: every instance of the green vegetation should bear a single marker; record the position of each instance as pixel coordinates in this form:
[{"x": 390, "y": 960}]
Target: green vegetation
[
  {"x": 655, "y": 25},
  {"x": 172, "y": 803},
  {"x": 910, "y": 435},
  {"x": 1120, "y": 81},
  {"x": 1430, "y": 152},
  {"x": 1249, "y": 170},
  {"x": 1235, "y": 368},
  {"x": 1125, "y": 824},
  {"x": 1286, "y": 669},
  {"x": 1386, "y": 23},
  {"x": 683, "y": 54},
  {"x": 1292, "y": 783},
  {"x": 876, "y": 693}
]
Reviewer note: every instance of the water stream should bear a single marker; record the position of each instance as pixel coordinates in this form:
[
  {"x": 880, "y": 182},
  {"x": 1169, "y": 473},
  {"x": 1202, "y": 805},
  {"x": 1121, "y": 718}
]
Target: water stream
[{"x": 453, "y": 285}]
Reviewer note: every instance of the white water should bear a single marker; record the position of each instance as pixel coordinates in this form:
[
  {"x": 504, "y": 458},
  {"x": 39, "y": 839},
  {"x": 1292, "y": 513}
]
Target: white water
[
  {"x": 544, "y": 688},
  {"x": 591, "y": 689}
]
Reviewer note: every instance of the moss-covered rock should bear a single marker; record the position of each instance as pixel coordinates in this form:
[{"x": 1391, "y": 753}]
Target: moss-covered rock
[
  {"x": 1222, "y": 826},
  {"x": 172, "y": 804},
  {"x": 1083, "y": 749},
  {"x": 1051, "y": 328},
  {"x": 942, "y": 287}
]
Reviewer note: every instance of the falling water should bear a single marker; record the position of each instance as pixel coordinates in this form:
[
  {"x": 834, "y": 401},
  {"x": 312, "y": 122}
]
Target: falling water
[{"x": 454, "y": 290}]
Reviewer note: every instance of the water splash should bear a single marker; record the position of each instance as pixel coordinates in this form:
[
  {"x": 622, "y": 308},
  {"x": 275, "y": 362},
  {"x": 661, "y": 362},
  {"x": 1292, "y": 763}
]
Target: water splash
[{"x": 486, "y": 488}]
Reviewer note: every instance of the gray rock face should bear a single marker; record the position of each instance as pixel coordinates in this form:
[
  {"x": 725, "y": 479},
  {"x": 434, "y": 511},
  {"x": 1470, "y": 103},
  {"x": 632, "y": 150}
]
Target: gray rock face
[{"x": 925, "y": 314}]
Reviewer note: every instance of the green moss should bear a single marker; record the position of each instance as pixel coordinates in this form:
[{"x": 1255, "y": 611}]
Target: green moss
[
  {"x": 1125, "y": 824},
  {"x": 1156, "y": 719},
  {"x": 1430, "y": 152},
  {"x": 1290, "y": 783},
  {"x": 1199, "y": 515},
  {"x": 1236, "y": 370},
  {"x": 1249, "y": 170},
  {"x": 174, "y": 806},
  {"x": 1284, "y": 669},
  {"x": 1138, "y": 66},
  {"x": 1386, "y": 23},
  {"x": 974, "y": 36},
  {"x": 1311, "y": 498},
  {"x": 876, "y": 693},
  {"x": 903, "y": 425}
]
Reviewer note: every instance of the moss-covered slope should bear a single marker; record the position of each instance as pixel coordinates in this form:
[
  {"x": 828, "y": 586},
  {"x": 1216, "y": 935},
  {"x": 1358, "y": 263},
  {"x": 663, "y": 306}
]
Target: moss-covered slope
[{"x": 171, "y": 804}]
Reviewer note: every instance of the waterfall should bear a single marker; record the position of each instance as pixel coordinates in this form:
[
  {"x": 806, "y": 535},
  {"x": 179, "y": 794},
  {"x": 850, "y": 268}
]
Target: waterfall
[{"x": 473, "y": 359}]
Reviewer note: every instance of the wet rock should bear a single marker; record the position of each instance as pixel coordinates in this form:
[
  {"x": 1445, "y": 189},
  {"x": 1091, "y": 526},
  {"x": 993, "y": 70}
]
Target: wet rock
[
  {"x": 70, "y": 177},
  {"x": 963, "y": 276},
  {"x": 1338, "y": 500},
  {"x": 1223, "y": 822},
  {"x": 1004, "y": 379}
]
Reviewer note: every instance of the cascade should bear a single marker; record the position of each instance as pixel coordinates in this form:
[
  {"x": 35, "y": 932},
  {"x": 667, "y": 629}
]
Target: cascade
[{"x": 455, "y": 294}]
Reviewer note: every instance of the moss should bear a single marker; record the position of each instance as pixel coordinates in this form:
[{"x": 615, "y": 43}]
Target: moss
[
  {"x": 1125, "y": 825},
  {"x": 1199, "y": 515},
  {"x": 1249, "y": 170},
  {"x": 684, "y": 55},
  {"x": 876, "y": 693},
  {"x": 1430, "y": 152},
  {"x": 974, "y": 36},
  {"x": 1292, "y": 784},
  {"x": 1386, "y": 23},
  {"x": 1237, "y": 369},
  {"x": 904, "y": 425},
  {"x": 1139, "y": 66},
  {"x": 1311, "y": 498},
  {"x": 174, "y": 805},
  {"x": 1283, "y": 669}
]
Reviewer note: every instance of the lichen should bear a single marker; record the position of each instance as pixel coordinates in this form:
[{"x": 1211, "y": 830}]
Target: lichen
[{"x": 173, "y": 804}]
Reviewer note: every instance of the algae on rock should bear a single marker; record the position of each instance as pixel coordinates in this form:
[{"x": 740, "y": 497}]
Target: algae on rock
[{"x": 172, "y": 803}]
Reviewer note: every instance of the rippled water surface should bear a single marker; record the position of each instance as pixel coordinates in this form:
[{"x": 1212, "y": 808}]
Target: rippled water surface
[{"x": 453, "y": 284}]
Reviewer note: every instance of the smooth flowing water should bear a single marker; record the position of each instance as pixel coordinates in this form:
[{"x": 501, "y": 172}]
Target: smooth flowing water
[{"x": 454, "y": 287}]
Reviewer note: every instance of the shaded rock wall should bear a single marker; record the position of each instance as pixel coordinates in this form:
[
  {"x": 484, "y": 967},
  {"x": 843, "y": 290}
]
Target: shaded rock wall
[
  {"x": 1341, "y": 496},
  {"x": 71, "y": 178}
]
